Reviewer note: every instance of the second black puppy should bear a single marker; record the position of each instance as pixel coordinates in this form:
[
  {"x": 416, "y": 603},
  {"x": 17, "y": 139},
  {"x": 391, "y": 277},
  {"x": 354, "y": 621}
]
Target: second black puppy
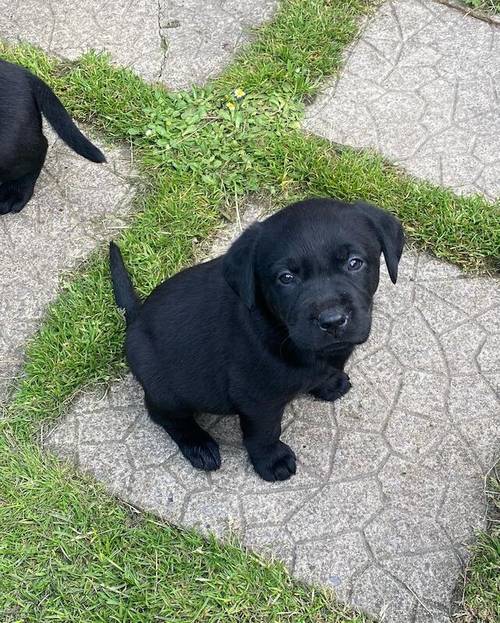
[
  {"x": 278, "y": 315},
  {"x": 23, "y": 147}
]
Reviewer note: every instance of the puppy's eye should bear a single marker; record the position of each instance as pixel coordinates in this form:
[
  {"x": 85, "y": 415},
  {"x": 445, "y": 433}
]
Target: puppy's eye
[
  {"x": 354, "y": 263},
  {"x": 286, "y": 278}
]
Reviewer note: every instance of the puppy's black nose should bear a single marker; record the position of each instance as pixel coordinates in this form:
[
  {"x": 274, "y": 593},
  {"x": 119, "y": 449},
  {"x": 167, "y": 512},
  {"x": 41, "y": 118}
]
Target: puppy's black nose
[{"x": 331, "y": 319}]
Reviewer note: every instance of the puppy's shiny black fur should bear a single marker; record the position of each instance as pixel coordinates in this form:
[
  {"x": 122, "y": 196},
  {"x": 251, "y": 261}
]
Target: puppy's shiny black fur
[
  {"x": 278, "y": 315},
  {"x": 23, "y": 147}
]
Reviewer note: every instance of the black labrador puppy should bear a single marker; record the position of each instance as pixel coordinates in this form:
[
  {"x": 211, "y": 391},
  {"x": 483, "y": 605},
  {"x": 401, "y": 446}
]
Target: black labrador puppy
[
  {"x": 276, "y": 316},
  {"x": 23, "y": 147}
]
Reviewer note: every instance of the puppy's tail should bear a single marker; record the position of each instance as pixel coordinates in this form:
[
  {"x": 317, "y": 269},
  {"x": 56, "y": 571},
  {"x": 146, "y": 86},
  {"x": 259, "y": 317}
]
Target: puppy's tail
[
  {"x": 50, "y": 105},
  {"x": 125, "y": 295}
]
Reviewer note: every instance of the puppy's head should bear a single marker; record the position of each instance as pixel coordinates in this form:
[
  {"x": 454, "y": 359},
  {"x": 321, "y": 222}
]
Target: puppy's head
[{"x": 315, "y": 265}]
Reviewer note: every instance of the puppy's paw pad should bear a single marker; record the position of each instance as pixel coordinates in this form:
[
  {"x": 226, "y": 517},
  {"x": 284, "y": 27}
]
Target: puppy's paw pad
[
  {"x": 279, "y": 464},
  {"x": 202, "y": 455}
]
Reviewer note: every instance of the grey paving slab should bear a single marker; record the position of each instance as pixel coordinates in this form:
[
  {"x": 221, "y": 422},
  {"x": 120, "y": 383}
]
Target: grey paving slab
[
  {"x": 421, "y": 86},
  {"x": 179, "y": 43},
  {"x": 384, "y": 523},
  {"x": 76, "y": 205}
]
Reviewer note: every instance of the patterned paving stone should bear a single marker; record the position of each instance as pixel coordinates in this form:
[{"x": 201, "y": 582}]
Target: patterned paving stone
[
  {"x": 421, "y": 87},
  {"x": 177, "y": 42},
  {"x": 76, "y": 205},
  {"x": 393, "y": 532},
  {"x": 389, "y": 482},
  {"x": 165, "y": 495}
]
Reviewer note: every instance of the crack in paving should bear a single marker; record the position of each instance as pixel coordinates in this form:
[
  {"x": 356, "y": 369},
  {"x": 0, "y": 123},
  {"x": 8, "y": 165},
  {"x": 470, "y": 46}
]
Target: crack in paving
[{"x": 203, "y": 43}]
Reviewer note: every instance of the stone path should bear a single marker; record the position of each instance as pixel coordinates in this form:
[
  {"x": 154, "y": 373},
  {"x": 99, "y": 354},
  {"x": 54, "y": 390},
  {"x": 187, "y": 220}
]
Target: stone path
[
  {"x": 177, "y": 42},
  {"x": 421, "y": 86},
  {"x": 386, "y": 523}
]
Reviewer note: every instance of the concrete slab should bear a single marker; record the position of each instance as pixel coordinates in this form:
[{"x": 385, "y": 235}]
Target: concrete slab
[
  {"x": 179, "y": 42},
  {"x": 421, "y": 87}
]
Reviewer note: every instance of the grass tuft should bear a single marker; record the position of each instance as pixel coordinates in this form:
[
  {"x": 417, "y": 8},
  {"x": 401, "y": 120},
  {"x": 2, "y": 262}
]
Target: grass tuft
[
  {"x": 481, "y": 602},
  {"x": 489, "y": 6}
]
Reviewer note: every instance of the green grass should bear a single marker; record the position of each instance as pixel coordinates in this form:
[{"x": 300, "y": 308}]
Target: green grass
[
  {"x": 67, "y": 551},
  {"x": 490, "y": 6},
  {"x": 481, "y": 603}
]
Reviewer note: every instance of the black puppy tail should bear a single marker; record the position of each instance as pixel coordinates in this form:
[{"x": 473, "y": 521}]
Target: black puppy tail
[
  {"x": 125, "y": 295},
  {"x": 50, "y": 105}
]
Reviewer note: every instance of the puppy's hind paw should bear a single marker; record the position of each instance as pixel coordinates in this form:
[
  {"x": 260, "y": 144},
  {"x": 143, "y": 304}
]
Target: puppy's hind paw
[
  {"x": 203, "y": 455},
  {"x": 277, "y": 464}
]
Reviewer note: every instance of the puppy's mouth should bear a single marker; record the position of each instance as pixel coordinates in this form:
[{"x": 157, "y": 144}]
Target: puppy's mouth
[
  {"x": 323, "y": 341},
  {"x": 341, "y": 341},
  {"x": 331, "y": 344},
  {"x": 336, "y": 346}
]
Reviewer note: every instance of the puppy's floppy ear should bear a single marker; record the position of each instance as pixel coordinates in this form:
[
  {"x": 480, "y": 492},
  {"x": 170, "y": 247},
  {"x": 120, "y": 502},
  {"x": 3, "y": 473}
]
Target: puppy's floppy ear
[
  {"x": 238, "y": 265},
  {"x": 390, "y": 234}
]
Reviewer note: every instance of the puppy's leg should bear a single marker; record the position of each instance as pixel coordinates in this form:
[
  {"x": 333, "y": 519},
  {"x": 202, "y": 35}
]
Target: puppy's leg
[
  {"x": 272, "y": 459},
  {"x": 333, "y": 388},
  {"x": 195, "y": 443},
  {"x": 15, "y": 194}
]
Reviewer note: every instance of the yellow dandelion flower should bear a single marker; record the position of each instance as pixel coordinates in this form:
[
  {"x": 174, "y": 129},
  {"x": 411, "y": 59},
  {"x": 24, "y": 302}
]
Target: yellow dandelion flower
[
  {"x": 231, "y": 105},
  {"x": 239, "y": 93}
]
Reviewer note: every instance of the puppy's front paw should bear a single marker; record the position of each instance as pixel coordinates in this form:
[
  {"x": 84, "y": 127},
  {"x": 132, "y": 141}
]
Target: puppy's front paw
[
  {"x": 203, "y": 454},
  {"x": 334, "y": 388},
  {"x": 277, "y": 464}
]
